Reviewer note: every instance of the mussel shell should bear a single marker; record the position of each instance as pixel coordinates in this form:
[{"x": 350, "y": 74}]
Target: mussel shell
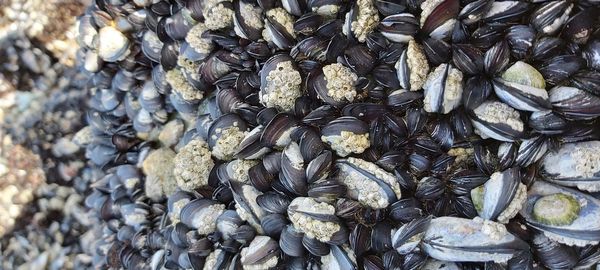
[{"x": 583, "y": 230}]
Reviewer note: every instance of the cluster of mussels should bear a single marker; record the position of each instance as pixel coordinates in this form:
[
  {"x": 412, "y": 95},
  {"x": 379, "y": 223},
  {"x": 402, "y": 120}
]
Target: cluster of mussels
[{"x": 333, "y": 134}]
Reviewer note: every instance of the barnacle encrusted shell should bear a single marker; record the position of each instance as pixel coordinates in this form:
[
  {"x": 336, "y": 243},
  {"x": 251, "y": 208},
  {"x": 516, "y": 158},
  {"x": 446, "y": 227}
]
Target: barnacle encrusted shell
[
  {"x": 283, "y": 87},
  {"x": 193, "y": 164},
  {"x": 113, "y": 45},
  {"x": 311, "y": 227},
  {"x": 196, "y": 41},
  {"x": 211, "y": 260},
  {"x": 450, "y": 92},
  {"x": 496, "y": 113},
  {"x": 254, "y": 251},
  {"x": 237, "y": 169},
  {"x": 341, "y": 82},
  {"x": 181, "y": 86},
  {"x": 413, "y": 59},
  {"x": 249, "y": 195},
  {"x": 205, "y": 220},
  {"x": 348, "y": 142},
  {"x": 282, "y": 17},
  {"x": 227, "y": 141},
  {"x": 158, "y": 168},
  {"x": 522, "y": 87},
  {"x": 217, "y": 15},
  {"x": 574, "y": 164},
  {"x": 478, "y": 194},
  {"x": 366, "y": 190},
  {"x": 366, "y": 20}
]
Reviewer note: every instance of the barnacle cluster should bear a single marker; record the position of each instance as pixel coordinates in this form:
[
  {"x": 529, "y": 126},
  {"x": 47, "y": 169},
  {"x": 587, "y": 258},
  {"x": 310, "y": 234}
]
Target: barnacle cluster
[{"x": 267, "y": 134}]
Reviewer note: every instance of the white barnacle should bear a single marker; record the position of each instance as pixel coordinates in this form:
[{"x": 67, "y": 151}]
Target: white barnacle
[
  {"x": 252, "y": 17},
  {"x": 211, "y": 261},
  {"x": 227, "y": 142},
  {"x": 574, "y": 161},
  {"x": 364, "y": 189},
  {"x": 193, "y": 164},
  {"x": 217, "y": 15},
  {"x": 196, "y": 41},
  {"x": 283, "y": 87},
  {"x": 443, "y": 90},
  {"x": 158, "y": 168},
  {"x": 113, "y": 45},
  {"x": 320, "y": 230},
  {"x": 417, "y": 64},
  {"x": 341, "y": 82},
  {"x": 495, "y": 112},
  {"x": 493, "y": 230},
  {"x": 348, "y": 142},
  {"x": 280, "y": 16},
  {"x": 238, "y": 169},
  {"x": 180, "y": 85},
  {"x": 366, "y": 20}
]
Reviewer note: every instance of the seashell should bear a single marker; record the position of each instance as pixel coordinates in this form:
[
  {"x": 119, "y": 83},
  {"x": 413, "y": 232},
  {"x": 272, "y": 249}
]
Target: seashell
[
  {"x": 443, "y": 89},
  {"x": 497, "y": 57},
  {"x": 280, "y": 83},
  {"x": 501, "y": 197},
  {"x": 290, "y": 241},
  {"x": 503, "y": 11},
  {"x": 475, "y": 11},
  {"x": 531, "y": 150},
  {"x": 560, "y": 67},
  {"x": 467, "y": 58},
  {"x": 339, "y": 257},
  {"x": 588, "y": 80},
  {"x": 459, "y": 239},
  {"x": 552, "y": 254},
  {"x": 562, "y": 214},
  {"x": 277, "y": 131},
  {"x": 412, "y": 67},
  {"x": 359, "y": 58},
  {"x": 335, "y": 84},
  {"x": 377, "y": 188},
  {"x": 522, "y": 87},
  {"x": 112, "y": 45},
  {"x": 591, "y": 54},
  {"x": 497, "y": 120},
  {"x": 579, "y": 27},
  {"x": 247, "y": 20},
  {"x": 488, "y": 34},
  {"x": 201, "y": 214},
  {"x": 573, "y": 165},
  {"x": 574, "y": 104},
  {"x": 476, "y": 91},
  {"x": 308, "y": 23},
  {"x": 228, "y": 223},
  {"x": 225, "y": 135},
  {"x": 246, "y": 206},
  {"x": 399, "y": 27},
  {"x": 438, "y": 17},
  {"x": 279, "y": 28},
  {"x": 520, "y": 39},
  {"x": 390, "y": 7},
  {"x": 262, "y": 253},
  {"x": 346, "y": 135},
  {"x": 550, "y": 16},
  {"x": 406, "y": 238},
  {"x": 317, "y": 221},
  {"x": 361, "y": 20}
]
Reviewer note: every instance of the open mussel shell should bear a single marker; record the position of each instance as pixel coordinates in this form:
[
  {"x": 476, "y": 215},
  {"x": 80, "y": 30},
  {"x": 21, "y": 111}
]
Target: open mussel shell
[
  {"x": 501, "y": 197},
  {"x": 564, "y": 215},
  {"x": 497, "y": 120},
  {"x": 574, "y": 165},
  {"x": 466, "y": 240},
  {"x": 368, "y": 183},
  {"x": 574, "y": 104}
]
